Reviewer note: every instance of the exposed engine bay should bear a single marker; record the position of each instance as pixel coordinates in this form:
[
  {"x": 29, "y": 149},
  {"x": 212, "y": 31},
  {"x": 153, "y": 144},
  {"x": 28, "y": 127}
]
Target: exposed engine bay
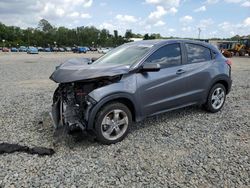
[{"x": 71, "y": 103}]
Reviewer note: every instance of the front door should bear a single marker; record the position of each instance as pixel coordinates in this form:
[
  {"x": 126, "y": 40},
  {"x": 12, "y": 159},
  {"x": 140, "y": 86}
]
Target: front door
[{"x": 165, "y": 89}]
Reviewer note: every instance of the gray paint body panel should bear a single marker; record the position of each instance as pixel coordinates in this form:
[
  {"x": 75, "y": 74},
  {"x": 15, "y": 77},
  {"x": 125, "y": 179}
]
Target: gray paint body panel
[
  {"x": 152, "y": 92},
  {"x": 79, "y": 70}
]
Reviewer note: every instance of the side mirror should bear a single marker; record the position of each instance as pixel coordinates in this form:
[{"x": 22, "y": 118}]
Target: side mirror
[{"x": 151, "y": 67}]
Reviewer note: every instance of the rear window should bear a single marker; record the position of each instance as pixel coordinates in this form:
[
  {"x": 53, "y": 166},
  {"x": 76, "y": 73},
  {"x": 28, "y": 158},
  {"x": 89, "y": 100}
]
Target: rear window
[{"x": 197, "y": 53}]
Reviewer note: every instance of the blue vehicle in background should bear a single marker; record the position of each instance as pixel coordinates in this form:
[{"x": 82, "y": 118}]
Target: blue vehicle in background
[
  {"x": 22, "y": 49},
  {"x": 32, "y": 50},
  {"x": 13, "y": 49},
  {"x": 87, "y": 48},
  {"x": 80, "y": 49}
]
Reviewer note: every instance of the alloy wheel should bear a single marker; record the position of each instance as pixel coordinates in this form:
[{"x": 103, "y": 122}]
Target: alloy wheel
[{"x": 114, "y": 124}]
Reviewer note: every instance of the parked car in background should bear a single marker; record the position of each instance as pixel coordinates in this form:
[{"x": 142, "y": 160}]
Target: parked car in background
[
  {"x": 87, "y": 48},
  {"x": 138, "y": 80},
  {"x": 32, "y": 50},
  {"x": 74, "y": 49},
  {"x": 93, "y": 49},
  {"x": 47, "y": 49},
  {"x": 40, "y": 49},
  {"x": 13, "y": 49},
  {"x": 55, "y": 49},
  {"x": 5, "y": 49},
  {"x": 67, "y": 49},
  {"x": 22, "y": 49},
  {"x": 103, "y": 50},
  {"x": 61, "y": 49},
  {"x": 80, "y": 49}
]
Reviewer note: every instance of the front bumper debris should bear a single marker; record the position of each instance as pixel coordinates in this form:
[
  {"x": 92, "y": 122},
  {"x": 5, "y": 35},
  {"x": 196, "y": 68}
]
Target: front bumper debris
[{"x": 55, "y": 114}]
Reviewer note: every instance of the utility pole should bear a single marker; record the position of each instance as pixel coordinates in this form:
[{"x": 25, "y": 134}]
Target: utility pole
[{"x": 199, "y": 31}]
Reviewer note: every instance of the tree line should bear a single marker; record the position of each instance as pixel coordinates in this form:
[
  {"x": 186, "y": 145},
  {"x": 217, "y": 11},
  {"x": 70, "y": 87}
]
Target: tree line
[{"x": 46, "y": 35}]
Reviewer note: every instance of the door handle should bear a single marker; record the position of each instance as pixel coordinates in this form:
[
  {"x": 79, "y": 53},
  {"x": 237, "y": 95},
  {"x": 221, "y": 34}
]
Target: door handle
[{"x": 180, "y": 71}]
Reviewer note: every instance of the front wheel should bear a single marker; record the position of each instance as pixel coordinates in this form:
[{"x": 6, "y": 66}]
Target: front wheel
[
  {"x": 112, "y": 123},
  {"x": 216, "y": 98}
]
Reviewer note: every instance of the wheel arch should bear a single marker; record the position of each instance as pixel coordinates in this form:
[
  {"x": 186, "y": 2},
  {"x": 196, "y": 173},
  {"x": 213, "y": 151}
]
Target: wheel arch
[
  {"x": 123, "y": 98},
  {"x": 224, "y": 80},
  {"x": 224, "y": 83}
]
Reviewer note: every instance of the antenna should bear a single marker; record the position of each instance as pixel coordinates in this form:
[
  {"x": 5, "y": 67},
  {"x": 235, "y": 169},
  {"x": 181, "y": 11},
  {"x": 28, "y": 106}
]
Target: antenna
[{"x": 199, "y": 31}]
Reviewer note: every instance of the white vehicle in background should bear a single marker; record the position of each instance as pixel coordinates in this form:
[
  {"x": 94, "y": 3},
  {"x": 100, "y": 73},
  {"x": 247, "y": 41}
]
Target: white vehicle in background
[{"x": 104, "y": 50}]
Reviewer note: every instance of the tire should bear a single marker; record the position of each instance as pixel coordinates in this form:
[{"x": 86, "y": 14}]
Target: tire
[
  {"x": 216, "y": 98},
  {"x": 112, "y": 123}
]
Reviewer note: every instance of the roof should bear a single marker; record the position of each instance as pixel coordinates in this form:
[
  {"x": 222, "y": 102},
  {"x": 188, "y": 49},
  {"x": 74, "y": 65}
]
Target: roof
[{"x": 157, "y": 42}]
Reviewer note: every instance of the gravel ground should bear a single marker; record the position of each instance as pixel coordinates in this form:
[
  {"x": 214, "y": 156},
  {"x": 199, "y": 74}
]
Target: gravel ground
[{"x": 183, "y": 148}]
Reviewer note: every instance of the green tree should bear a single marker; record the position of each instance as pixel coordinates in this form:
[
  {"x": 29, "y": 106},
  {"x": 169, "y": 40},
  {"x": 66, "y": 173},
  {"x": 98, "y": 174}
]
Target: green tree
[
  {"x": 128, "y": 34},
  {"x": 146, "y": 37},
  {"x": 44, "y": 25}
]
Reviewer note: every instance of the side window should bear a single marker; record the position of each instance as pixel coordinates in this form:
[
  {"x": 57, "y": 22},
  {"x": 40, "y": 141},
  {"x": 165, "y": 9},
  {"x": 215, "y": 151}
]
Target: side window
[
  {"x": 167, "y": 56},
  {"x": 197, "y": 53}
]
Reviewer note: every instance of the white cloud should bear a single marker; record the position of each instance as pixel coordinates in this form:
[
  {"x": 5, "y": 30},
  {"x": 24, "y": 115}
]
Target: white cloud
[
  {"x": 74, "y": 14},
  {"x": 24, "y": 14},
  {"x": 233, "y": 1},
  {"x": 186, "y": 19},
  {"x": 205, "y": 23},
  {"x": 158, "y": 13},
  {"x": 246, "y": 4},
  {"x": 212, "y": 1},
  {"x": 85, "y": 15},
  {"x": 163, "y": 7},
  {"x": 172, "y": 10},
  {"x": 126, "y": 18},
  {"x": 106, "y": 25},
  {"x": 225, "y": 26},
  {"x": 171, "y": 30},
  {"x": 246, "y": 22},
  {"x": 103, "y": 4},
  {"x": 241, "y": 28},
  {"x": 165, "y": 3},
  {"x": 159, "y": 23},
  {"x": 186, "y": 29},
  {"x": 60, "y": 12},
  {"x": 86, "y": 3},
  {"x": 200, "y": 9}
]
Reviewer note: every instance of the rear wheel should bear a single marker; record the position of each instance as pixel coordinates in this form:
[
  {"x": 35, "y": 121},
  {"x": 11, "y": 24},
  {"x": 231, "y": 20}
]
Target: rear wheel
[
  {"x": 112, "y": 123},
  {"x": 216, "y": 98}
]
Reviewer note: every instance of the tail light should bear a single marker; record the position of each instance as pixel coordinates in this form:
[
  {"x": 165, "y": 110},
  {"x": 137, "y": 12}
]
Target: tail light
[{"x": 229, "y": 62}]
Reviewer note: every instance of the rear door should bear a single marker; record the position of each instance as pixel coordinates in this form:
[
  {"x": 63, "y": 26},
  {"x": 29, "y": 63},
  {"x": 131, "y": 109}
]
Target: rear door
[
  {"x": 163, "y": 90},
  {"x": 197, "y": 65}
]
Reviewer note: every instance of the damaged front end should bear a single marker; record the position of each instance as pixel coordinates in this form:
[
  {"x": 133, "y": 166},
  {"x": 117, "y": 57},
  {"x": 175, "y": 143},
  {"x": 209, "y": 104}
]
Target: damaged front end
[
  {"x": 72, "y": 104},
  {"x": 77, "y": 78}
]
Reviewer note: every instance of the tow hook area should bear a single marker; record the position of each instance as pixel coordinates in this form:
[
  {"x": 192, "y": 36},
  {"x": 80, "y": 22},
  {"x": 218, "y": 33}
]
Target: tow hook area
[
  {"x": 67, "y": 114},
  {"x": 70, "y": 109}
]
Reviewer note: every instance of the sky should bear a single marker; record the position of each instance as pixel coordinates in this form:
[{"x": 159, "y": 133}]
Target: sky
[{"x": 179, "y": 18}]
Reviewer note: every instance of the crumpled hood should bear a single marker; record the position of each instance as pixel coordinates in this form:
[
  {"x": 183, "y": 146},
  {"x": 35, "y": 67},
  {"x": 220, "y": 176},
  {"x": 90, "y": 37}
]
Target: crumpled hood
[{"x": 79, "y": 69}]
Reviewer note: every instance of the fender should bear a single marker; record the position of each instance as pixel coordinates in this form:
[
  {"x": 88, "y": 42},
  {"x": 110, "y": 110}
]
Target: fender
[
  {"x": 222, "y": 77},
  {"x": 99, "y": 105}
]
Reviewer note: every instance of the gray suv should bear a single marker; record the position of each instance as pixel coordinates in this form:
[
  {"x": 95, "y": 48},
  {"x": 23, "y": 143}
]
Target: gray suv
[{"x": 135, "y": 81}]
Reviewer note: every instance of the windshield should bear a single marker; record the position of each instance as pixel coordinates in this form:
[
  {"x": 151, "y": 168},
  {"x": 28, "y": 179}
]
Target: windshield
[{"x": 124, "y": 55}]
